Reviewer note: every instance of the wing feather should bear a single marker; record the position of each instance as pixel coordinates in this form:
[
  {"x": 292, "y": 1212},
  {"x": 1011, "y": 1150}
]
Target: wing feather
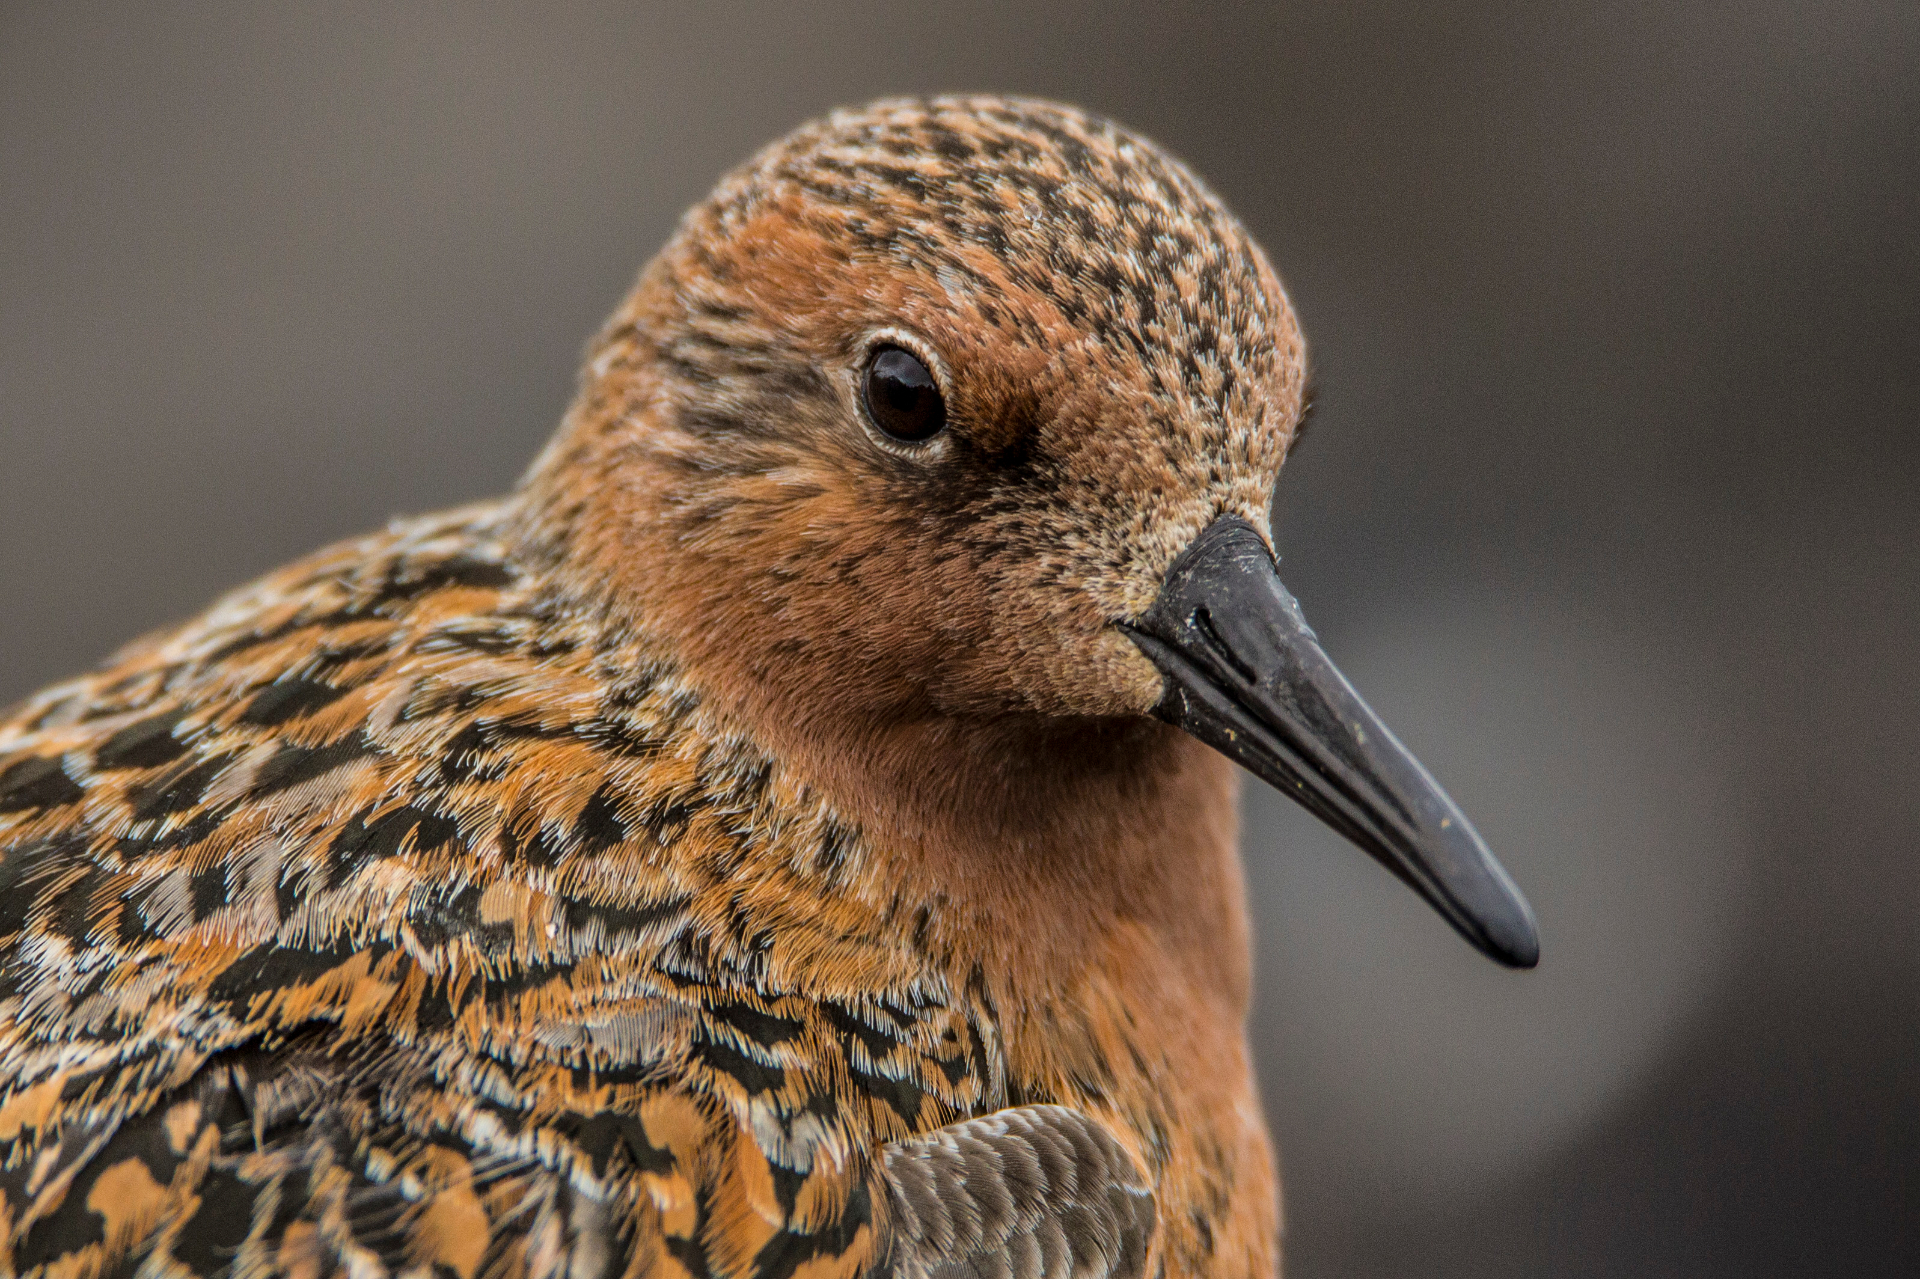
[{"x": 1033, "y": 1192}]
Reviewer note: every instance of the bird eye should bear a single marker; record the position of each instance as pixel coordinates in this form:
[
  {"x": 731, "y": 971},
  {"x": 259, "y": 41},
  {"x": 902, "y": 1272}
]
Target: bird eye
[{"x": 902, "y": 398}]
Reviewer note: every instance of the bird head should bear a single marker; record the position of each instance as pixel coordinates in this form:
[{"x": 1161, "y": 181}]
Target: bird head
[{"x": 970, "y": 410}]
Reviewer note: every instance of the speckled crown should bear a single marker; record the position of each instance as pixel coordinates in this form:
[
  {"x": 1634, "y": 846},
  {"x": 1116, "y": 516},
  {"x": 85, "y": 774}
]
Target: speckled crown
[{"x": 984, "y": 193}]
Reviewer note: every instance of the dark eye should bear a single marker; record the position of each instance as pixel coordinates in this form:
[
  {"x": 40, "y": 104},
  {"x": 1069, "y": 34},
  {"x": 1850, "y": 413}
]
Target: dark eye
[{"x": 902, "y": 398}]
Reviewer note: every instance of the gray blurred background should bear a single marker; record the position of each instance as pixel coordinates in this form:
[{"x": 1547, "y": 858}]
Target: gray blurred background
[{"x": 1610, "y": 505}]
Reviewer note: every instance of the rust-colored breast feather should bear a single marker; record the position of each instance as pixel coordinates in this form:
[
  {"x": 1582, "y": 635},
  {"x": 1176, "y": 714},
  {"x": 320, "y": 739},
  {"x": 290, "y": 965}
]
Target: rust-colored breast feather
[
  {"x": 751, "y": 849},
  {"x": 383, "y": 919}
]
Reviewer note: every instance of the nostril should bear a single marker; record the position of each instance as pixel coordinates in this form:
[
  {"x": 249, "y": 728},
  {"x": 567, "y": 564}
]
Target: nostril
[{"x": 1202, "y": 621}]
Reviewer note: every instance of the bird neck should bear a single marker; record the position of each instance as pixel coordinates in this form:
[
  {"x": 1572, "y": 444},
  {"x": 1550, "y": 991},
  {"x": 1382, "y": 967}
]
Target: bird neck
[
  {"x": 1034, "y": 841},
  {"x": 1042, "y": 852},
  {"x": 1047, "y": 847}
]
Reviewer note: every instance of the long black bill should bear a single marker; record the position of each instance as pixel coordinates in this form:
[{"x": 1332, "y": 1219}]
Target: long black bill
[{"x": 1246, "y": 676}]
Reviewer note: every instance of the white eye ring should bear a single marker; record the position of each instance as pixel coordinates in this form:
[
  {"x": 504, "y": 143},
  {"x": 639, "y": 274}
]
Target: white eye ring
[{"x": 934, "y": 444}]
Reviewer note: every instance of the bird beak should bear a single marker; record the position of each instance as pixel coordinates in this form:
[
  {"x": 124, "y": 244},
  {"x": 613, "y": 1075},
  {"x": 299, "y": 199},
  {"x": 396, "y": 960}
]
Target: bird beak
[{"x": 1245, "y": 674}]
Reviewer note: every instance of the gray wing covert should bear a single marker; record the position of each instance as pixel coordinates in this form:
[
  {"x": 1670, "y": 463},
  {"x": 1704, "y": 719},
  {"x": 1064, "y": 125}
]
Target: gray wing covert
[{"x": 1034, "y": 1192}]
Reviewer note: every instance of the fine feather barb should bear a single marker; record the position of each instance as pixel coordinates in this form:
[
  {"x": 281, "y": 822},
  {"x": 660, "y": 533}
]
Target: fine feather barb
[{"x": 1034, "y": 1192}]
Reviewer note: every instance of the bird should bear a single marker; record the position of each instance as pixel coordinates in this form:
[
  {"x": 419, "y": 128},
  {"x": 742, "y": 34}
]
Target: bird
[{"x": 792, "y": 834}]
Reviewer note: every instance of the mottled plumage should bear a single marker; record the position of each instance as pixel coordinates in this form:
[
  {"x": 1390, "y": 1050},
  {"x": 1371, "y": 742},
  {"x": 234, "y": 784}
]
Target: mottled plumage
[{"x": 745, "y": 849}]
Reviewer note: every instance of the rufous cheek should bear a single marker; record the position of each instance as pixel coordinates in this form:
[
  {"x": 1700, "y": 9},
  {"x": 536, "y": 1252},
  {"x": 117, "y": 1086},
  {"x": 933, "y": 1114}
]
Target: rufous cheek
[
  {"x": 1122, "y": 669},
  {"x": 1102, "y": 676}
]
